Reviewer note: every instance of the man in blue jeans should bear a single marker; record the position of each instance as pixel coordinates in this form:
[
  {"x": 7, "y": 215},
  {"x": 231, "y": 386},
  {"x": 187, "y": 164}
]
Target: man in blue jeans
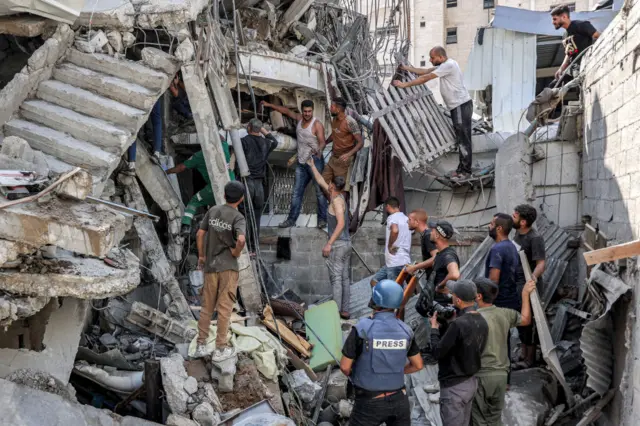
[
  {"x": 311, "y": 142},
  {"x": 156, "y": 122}
]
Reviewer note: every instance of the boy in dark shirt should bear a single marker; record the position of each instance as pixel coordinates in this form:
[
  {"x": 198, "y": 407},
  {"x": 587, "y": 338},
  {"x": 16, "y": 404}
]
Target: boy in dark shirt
[
  {"x": 459, "y": 353},
  {"x": 579, "y": 36},
  {"x": 532, "y": 244}
]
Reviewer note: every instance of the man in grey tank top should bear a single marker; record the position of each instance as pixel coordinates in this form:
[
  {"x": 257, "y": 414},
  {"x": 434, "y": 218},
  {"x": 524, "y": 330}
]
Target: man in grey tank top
[
  {"x": 338, "y": 248},
  {"x": 311, "y": 142}
]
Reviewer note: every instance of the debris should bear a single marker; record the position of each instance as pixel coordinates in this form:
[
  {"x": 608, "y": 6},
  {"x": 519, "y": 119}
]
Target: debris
[
  {"x": 197, "y": 370},
  {"x": 247, "y": 380},
  {"x": 191, "y": 385},
  {"x": 173, "y": 377},
  {"x": 177, "y": 420},
  {"x": 159, "y": 324},
  {"x": 297, "y": 342},
  {"x": 108, "y": 340},
  {"x": 325, "y": 334},
  {"x": 204, "y": 415},
  {"x": 337, "y": 386},
  {"x": 40, "y": 381},
  {"x": 611, "y": 253},
  {"x": 185, "y": 51},
  {"x": 115, "y": 40},
  {"x": 211, "y": 397},
  {"x": 303, "y": 386},
  {"x": 224, "y": 372}
]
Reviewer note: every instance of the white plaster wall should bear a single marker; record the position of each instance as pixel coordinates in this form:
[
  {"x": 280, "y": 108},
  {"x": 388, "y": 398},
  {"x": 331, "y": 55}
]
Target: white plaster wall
[
  {"x": 61, "y": 340},
  {"x": 611, "y": 170}
]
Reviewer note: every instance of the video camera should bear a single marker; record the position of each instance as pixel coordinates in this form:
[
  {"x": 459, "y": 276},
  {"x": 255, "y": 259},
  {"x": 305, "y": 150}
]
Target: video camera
[
  {"x": 427, "y": 305},
  {"x": 445, "y": 312}
]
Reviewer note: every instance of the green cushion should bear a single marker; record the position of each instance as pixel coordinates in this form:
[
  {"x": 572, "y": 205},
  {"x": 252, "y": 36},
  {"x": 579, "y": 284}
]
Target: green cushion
[{"x": 324, "y": 320}]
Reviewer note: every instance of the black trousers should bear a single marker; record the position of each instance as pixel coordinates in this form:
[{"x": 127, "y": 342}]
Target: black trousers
[
  {"x": 461, "y": 118},
  {"x": 393, "y": 410},
  {"x": 255, "y": 191}
]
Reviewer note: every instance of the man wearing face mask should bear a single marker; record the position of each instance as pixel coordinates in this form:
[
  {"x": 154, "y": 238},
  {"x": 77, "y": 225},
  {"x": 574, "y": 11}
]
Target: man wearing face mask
[
  {"x": 501, "y": 264},
  {"x": 459, "y": 353}
]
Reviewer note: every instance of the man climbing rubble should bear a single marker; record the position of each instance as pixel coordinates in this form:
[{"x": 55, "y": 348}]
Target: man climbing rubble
[
  {"x": 347, "y": 141},
  {"x": 488, "y": 401},
  {"x": 338, "y": 248},
  {"x": 204, "y": 197},
  {"x": 375, "y": 357},
  {"x": 311, "y": 142},
  {"x": 456, "y": 98},
  {"x": 257, "y": 146},
  {"x": 578, "y": 37},
  {"x": 223, "y": 228}
]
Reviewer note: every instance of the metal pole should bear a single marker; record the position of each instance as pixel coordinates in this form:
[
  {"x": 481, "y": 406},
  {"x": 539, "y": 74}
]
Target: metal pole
[
  {"x": 123, "y": 208},
  {"x": 152, "y": 381}
]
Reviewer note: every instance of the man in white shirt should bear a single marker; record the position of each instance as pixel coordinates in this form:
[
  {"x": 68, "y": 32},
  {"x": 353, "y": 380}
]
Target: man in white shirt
[
  {"x": 397, "y": 243},
  {"x": 456, "y": 98}
]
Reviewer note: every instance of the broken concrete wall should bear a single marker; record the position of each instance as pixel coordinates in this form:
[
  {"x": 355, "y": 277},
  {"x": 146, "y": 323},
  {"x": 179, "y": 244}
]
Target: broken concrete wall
[
  {"x": 39, "y": 68},
  {"x": 611, "y": 170},
  {"x": 61, "y": 339},
  {"x": 306, "y": 273}
]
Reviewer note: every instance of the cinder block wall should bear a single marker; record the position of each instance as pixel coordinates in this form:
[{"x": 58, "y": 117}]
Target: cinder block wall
[
  {"x": 306, "y": 273},
  {"x": 611, "y": 176}
]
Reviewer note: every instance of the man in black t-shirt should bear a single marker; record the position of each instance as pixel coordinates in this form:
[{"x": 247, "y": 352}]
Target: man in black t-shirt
[
  {"x": 418, "y": 223},
  {"x": 532, "y": 244},
  {"x": 446, "y": 263},
  {"x": 579, "y": 36}
]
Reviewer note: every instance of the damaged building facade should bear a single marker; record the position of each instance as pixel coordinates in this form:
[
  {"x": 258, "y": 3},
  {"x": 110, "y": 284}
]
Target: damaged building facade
[{"x": 99, "y": 282}]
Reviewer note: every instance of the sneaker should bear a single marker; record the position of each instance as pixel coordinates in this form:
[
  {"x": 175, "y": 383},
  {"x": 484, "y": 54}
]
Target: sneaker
[
  {"x": 155, "y": 158},
  {"x": 223, "y": 353},
  {"x": 287, "y": 224},
  {"x": 201, "y": 351},
  {"x": 322, "y": 224}
]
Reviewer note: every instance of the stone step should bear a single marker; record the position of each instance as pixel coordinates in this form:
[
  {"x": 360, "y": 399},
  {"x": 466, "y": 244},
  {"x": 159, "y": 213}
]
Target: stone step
[
  {"x": 98, "y": 132},
  {"x": 56, "y": 165},
  {"x": 125, "y": 69},
  {"x": 88, "y": 103},
  {"x": 107, "y": 85},
  {"x": 62, "y": 146}
]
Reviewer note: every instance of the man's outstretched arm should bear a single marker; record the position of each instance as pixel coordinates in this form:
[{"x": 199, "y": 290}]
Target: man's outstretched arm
[
  {"x": 417, "y": 71},
  {"x": 282, "y": 110}
]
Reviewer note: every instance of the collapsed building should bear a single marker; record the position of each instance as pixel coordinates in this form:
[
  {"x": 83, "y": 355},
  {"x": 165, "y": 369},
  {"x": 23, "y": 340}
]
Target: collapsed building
[{"x": 99, "y": 294}]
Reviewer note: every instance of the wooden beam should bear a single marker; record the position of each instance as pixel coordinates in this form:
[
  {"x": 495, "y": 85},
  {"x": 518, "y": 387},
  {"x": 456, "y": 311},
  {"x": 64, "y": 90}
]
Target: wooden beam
[
  {"x": 296, "y": 342},
  {"x": 609, "y": 254}
]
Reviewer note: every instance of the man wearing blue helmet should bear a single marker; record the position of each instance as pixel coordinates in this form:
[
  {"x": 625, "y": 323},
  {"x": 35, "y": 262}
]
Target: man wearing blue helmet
[{"x": 375, "y": 357}]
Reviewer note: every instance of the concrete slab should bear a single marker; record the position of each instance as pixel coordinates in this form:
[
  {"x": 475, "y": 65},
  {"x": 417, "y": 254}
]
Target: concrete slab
[
  {"x": 135, "y": 72},
  {"x": 61, "y": 338},
  {"x": 23, "y": 26},
  {"x": 279, "y": 70},
  {"x": 61, "y": 145},
  {"x": 160, "y": 60},
  {"x": 69, "y": 276},
  {"x": 25, "y": 406},
  {"x": 99, "y": 132},
  {"x": 86, "y": 102},
  {"x": 80, "y": 227},
  {"x": 109, "y": 86}
]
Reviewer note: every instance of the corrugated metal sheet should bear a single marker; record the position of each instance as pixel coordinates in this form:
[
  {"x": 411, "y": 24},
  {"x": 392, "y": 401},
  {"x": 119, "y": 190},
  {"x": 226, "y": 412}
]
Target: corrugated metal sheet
[
  {"x": 597, "y": 350},
  {"x": 539, "y": 22},
  {"x": 416, "y": 125},
  {"x": 506, "y": 60}
]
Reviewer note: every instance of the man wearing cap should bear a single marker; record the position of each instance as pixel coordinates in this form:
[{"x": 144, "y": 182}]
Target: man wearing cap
[
  {"x": 223, "y": 227},
  {"x": 446, "y": 263},
  {"x": 492, "y": 377},
  {"x": 459, "y": 353},
  {"x": 418, "y": 222},
  {"x": 204, "y": 197},
  {"x": 374, "y": 356},
  {"x": 347, "y": 141},
  {"x": 257, "y": 146}
]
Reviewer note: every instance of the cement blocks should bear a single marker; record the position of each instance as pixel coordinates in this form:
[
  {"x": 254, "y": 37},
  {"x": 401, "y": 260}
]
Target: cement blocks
[{"x": 83, "y": 228}]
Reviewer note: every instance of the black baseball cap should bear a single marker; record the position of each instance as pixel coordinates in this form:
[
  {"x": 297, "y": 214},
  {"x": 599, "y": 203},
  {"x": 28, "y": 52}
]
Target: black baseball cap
[
  {"x": 442, "y": 227},
  {"x": 464, "y": 290}
]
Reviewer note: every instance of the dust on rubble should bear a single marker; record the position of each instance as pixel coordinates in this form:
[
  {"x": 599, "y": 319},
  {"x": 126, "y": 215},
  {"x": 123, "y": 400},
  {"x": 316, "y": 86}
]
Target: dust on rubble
[
  {"x": 41, "y": 381},
  {"x": 38, "y": 265},
  {"x": 248, "y": 387}
]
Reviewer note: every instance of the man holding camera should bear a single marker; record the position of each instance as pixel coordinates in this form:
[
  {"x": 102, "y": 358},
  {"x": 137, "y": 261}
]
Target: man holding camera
[{"x": 459, "y": 352}]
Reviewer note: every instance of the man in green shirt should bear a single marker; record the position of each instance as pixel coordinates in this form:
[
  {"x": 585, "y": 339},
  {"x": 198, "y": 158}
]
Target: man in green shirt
[
  {"x": 204, "y": 197},
  {"x": 495, "y": 363}
]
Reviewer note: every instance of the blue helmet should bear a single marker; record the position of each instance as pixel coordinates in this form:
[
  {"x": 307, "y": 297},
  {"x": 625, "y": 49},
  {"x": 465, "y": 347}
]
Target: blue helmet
[{"x": 388, "y": 294}]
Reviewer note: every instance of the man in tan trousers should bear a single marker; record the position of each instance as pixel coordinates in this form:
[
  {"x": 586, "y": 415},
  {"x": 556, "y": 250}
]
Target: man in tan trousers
[{"x": 224, "y": 229}]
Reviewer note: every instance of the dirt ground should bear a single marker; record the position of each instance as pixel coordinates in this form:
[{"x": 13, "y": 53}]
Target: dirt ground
[{"x": 248, "y": 387}]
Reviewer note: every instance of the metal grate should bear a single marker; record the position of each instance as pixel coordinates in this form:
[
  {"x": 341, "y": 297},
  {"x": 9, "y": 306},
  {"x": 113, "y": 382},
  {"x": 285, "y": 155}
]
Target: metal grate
[
  {"x": 416, "y": 125},
  {"x": 282, "y": 192}
]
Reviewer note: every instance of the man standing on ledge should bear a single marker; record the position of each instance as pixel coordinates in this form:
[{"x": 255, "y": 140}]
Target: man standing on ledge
[
  {"x": 347, "y": 141},
  {"x": 224, "y": 228},
  {"x": 310, "y": 136},
  {"x": 456, "y": 98}
]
